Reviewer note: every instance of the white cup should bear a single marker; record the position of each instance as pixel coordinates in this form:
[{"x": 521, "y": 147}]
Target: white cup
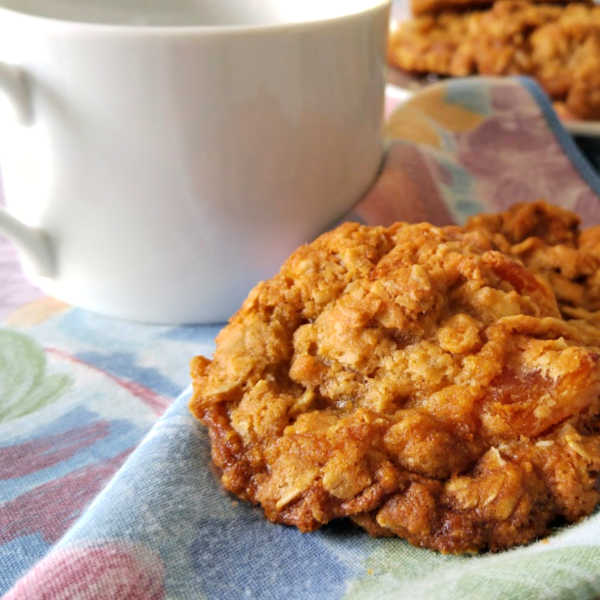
[{"x": 165, "y": 155}]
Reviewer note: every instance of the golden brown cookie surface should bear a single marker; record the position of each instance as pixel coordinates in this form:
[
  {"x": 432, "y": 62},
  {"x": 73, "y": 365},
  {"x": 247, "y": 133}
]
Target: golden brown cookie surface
[{"x": 419, "y": 380}]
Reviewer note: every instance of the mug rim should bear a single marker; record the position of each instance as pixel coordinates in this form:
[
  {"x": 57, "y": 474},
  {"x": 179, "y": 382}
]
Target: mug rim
[{"x": 209, "y": 30}]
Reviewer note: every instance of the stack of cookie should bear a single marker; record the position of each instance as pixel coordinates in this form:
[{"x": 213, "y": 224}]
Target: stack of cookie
[{"x": 557, "y": 44}]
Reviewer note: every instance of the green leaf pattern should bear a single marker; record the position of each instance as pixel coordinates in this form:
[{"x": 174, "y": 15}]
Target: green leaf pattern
[{"x": 25, "y": 386}]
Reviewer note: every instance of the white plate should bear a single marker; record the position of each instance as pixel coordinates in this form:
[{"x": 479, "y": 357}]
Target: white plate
[{"x": 587, "y": 128}]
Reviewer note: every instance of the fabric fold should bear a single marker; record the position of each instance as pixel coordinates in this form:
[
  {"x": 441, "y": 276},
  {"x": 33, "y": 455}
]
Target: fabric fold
[{"x": 162, "y": 527}]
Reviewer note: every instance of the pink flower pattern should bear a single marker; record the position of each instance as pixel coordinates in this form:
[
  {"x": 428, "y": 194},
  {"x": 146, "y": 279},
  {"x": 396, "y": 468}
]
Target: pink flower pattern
[
  {"x": 22, "y": 459},
  {"x": 513, "y": 156},
  {"x": 112, "y": 570},
  {"x": 51, "y": 508}
]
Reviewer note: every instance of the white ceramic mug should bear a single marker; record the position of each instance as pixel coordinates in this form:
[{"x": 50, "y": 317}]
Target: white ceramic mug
[{"x": 164, "y": 155}]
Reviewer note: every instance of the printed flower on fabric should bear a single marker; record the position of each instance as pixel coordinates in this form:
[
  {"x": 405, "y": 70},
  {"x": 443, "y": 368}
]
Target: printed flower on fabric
[
  {"x": 114, "y": 570},
  {"x": 426, "y": 117},
  {"x": 515, "y": 157},
  {"x": 68, "y": 427}
]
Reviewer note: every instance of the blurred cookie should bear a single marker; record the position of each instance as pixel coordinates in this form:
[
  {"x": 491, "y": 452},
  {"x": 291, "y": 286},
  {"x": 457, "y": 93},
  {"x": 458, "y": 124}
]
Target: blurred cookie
[
  {"x": 557, "y": 45},
  {"x": 421, "y": 7}
]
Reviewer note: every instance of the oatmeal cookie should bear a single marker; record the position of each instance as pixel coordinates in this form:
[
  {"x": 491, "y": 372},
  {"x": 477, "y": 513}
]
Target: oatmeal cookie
[
  {"x": 557, "y": 45},
  {"x": 548, "y": 241},
  {"x": 422, "y": 381},
  {"x": 565, "y": 57},
  {"x": 440, "y": 44}
]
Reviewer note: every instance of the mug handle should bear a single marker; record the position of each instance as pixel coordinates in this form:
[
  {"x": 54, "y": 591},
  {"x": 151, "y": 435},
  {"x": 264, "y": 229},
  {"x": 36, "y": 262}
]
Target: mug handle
[{"x": 32, "y": 242}]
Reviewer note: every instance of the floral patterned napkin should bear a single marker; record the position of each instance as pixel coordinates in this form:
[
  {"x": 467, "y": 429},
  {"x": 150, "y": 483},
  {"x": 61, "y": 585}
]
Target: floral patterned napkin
[{"x": 102, "y": 497}]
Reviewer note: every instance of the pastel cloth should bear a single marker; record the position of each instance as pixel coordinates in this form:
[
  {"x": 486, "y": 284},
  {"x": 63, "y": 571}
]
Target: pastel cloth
[{"x": 82, "y": 516}]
